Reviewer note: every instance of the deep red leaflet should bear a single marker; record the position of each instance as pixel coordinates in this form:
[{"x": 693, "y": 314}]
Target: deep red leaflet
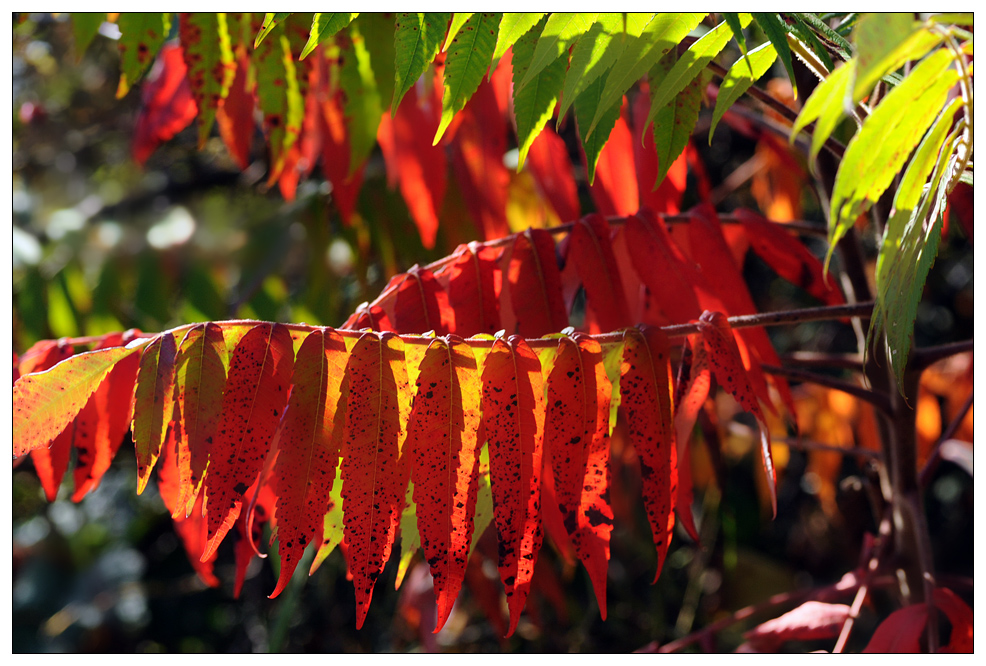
[
  {"x": 472, "y": 292},
  {"x": 615, "y": 188},
  {"x": 812, "y": 620},
  {"x": 250, "y": 527},
  {"x": 368, "y": 316},
  {"x": 645, "y": 395},
  {"x": 335, "y": 158},
  {"x": 960, "y": 616},
  {"x": 375, "y": 469},
  {"x": 513, "y": 417},
  {"x": 667, "y": 197},
  {"x": 577, "y": 444},
  {"x": 254, "y": 398},
  {"x": 167, "y": 106},
  {"x": 901, "y": 632},
  {"x": 551, "y": 517},
  {"x": 535, "y": 285},
  {"x": 200, "y": 376},
  {"x": 724, "y": 356},
  {"x": 693, "y": 395},
  {"x": 590, "y": 248},
  {"x": 441, "y": 441},
  {"x": 309, "y": 445},
  {"x": 477, "y": 161},
  {"x": 235, "y": 116},
  {"x": 422, "y": 304},
  {"x": 153, "y": 403},
  {"x": 552, "y": 169}
]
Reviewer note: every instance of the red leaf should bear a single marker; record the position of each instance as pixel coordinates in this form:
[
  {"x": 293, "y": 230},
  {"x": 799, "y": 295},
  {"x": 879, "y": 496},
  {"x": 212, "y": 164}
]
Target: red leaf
[
  {"x": 513, "y": 418},
  {"x": 375, "y": 469},
  {"x": 200, "y": 376},
  {"x": 250, "y": 527},
  {"x": 535, "y": 285},
  {"x": 812, "y": 620},
  {"x": 667, "y": 197},
  {"x": 590, "y": 248},
  {"x": 472, "y": 291},
  {"x": 235, "y": 116},
  {"x": 335, "y": 158},
  {"x": 960, "y": 616},
  {"x": 724, "y": 355},
  {"x": 901, "y": 632},
  {"x": 310, "y": 438},
  {"x": 552, "y": 169},
  {"x": 167, "y": 106},
  {"x": 44, "y": 355},
  {"x": 645, "y": 396},
  {"x": 477, "y": 161},
  {"x": 153, "y": 403},
  {"x": 577, "y": 443},
  {"x": 615, "y": 188},
  {"x": 789, "y": 257},
  {"x": 551, "y": 516},
  {"x": 422, "y": 304},
  {"x": 50, "y": 462},
  {"x": 961, "y": 201},
  {"x": 694, "y": 394},
  {"x": 444, "y": 450},
  {"x": 368, "y": 316},
  {"x": 253, "y": 401}
]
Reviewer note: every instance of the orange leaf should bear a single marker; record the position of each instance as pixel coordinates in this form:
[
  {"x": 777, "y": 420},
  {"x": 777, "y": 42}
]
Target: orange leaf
[
  {"x": 645, "y": 396},
  {"x": 615, "y": 188},
  {"x": 590, "y": 248},
  {"x": 441, "y": 441},
  {"x": 535, "y": 285},
  {"x": 472, "y": 292},
  {"x": 310, "y": 439},
  {"x": 422, "y": 304},
  {"x": 253, "y": 401},
  {"x": 153, "y": 403},
  {"x": 374, "y": 468},
  {"x": 368, "y": 316},
  {"x": 552, "y": 169},
  {"x": 335, "y": 158},
  {"x": 235, "y": 116},
  {"x": 513, "y": 418}
]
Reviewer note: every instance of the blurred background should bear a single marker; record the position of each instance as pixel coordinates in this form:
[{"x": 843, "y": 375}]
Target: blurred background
[{"x": 102, "y": 244}]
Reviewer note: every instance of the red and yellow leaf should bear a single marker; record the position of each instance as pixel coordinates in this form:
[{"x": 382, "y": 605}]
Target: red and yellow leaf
[
  {"x": 535, "y": 285},
  {"x": 549, "y": 162},
  {"x": 153, "y": 403},
  {"x": 513, "y": 418},
  {"x": 590, "y": 248},
  {"x": 375, "y": 470},
  {"x": 209, "y": 58},
  {"x": 309, "y": 446},
  {"x": 141, "y": 35},
  {"x": 422, "y": 304},
  {"x": 645, "y": 396},
  {"x": 254, "y": 398},
  {"x": 472, "y": 291},
  {"x": 279, "y": 95},
  {"x": 441, "y": 441}
]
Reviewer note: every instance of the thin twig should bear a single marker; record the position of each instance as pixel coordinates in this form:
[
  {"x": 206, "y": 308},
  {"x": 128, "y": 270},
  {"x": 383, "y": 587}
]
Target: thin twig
[
  {"x": 878, "y": 400},
  {"x": 821, "y": 313},
  {"x": 926, "y": 356},
  {"x": 808, "y": 359},
  {"x": 809, "y": 445},
  {"x": 932, "y": 463}
]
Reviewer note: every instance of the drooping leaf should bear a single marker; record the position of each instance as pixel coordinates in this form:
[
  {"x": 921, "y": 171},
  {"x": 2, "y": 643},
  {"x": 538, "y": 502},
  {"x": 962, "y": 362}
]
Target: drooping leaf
[
  {"x": 279, "y": 95},
  {"x": 375, "y": 469},
  {"x": 535, "y": 285},
  {"x": 85, "y": 26},
  {"x": 377, "y": 29},
  {"x": 336, "y": 158},
  {"x": 167, "y": 105},
  {"x": 363, "y": 106},
  {"x": 812, "y": 620},
  {"x": 271, "y": 20},
  {"x": 549, "y": 163},
  {"x": 417, "y": 40},
  {"x": 877, "y": 38},
  {"x": 901, "y": 632},
  {"x": 309, "y": 447},
  {"x": 444, "y": 450},
  {"x": 472, "y": 293},
  {"x": 410, "y": 537},
  {"x": 324, "y": 25},
  {"x": 668, "y": 195},
  {"x": 235, "y": 117},
  {"x": 744, "y": 73},
  {"x": 645, "y": 395},
  {"x": 560, "y": 32},
  {"x": 825, "y": 106},
  {"x": 209, "y": 58},
  {"x": 258, "y": 509},
  {"x": 585, "y": 109},
  {"x": 153, "y": 403},
  {"x": 141, "y": 37},
  {"x": 776, "y": 31},
  {"x": 254, "y": 398},
  {"x": 458, "y": 20},
  {"x": 513, "y": 417},
  {"x": 534, "y": 101},
  {"x": 590, "y": 248},
  {"x": 733, "y": 21},
  {"x": 694, "y": 387},
  {"x": 467, "y": 63},
  {"x": 422, "y": 304},
  {"x": 674, "y": 122},
  {"x": 615, "y": 190},
  {"x": 513, "y": 26}
]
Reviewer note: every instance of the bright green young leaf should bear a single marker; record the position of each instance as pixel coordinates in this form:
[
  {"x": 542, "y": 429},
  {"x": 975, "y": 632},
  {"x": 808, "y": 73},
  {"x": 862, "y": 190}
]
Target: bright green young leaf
[
  {"x": 363, "y": 107},
  {"x": 141, "y": 37},
  {"x": 826, "y": 105},
  {"x": 535, "y": 102},
  {"x": 586, "y": 108},
  {"x": 459, "y": 19},
  {"x": 466, "y": 64},
  {"x": 596, "y": 52},
  {"x": 743, "y": 74},
  {"x": 278, "y": 94},
  {"x": 271, "y": 19},
  {"x": 675, "y": 122},
  {"x": 884, "y": 42},
  {"x": 417, "y": 39},
  {"x": 688, "y": 66},
  {"x": 85, "y": 26},
  {"x": 561, "y": 31},
  {"x": 211, "y": 68},
  {"x": 733, "y": 21},
  {"x": 513, "y": 26},
  {"x": 664, "y": 32},
  {"x": 333, "y": 527},
  {"x": 776, "y": 31},
  {"x": 324, "y": 25}
]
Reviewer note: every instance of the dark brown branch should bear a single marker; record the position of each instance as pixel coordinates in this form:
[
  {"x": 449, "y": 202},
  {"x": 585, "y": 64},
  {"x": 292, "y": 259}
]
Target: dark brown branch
[
  {"x": 878, "y": 400},
  {"x": 807, "y": 359},
  {"x": 820, "y": 313},
  {"x": 926, "y": 356},
  {"x": 935, "y": 457},
  {"x": 808, "y": 445}
]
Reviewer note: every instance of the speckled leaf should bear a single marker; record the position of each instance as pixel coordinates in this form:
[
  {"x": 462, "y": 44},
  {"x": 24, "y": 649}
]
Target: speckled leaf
[
  {"x": 535, "y": 101},
  {"x": 590, "y": 248},
  {"x": 561, "y": 31},
  {"x": 535, "y": 285},
  {"x": 513, "y": 26},
  {"x": 468, "y": 59},
  {"x": 153, "y": 403},
  {"x": 645, "y": 396},
  {"x": 271, "y": 20},
  {"x": 472, "y": 292},
  {"x": 441, "y": 441},
  {"x": 324, "y": 25},
  {"x": 513, "y": 420},
  {"x": 596, "y": 52},
  {"x": 422, "y": 304},
  {"x": 375, "y": 469},
  {"x": 278, "y": 95},
  {"x": 674, "y": 122},
  {"x": 50, "y": 461},
  {"x": 211, "y": 68},
  {"x": 417, "y": 39},
  {"x": 253, "y": 401},
  {"x": 309, "y": 446},
  {"x": 141, "y": 36},
  {"x": 458, "y": 20}
]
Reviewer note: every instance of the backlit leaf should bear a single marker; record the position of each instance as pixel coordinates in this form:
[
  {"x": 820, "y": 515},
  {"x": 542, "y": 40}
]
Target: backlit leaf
[
  {"x": 458, "y": 20},
  {"x": 535, "y": 285},
  {"x": 534, "y": 102},
  {"x": 153, "y": 403},
  {"x": 674, "y": 122},
  {"x": 271, "y": 20},
  {"x": 590, "y": 248},
  {"x": 167, "y": 105},
  {"x": 364, "y": 106},
  {"x": 744, "y": 73},
  {"x": 776, "y": 31},
  {"x": 278, "y": 95},
  {"x": 417, "y": 39},
  {"x": 235, "y": 117},
  {"x": 615, "y": 190},
  {"x": 422, "y": 304},
  {"x": 141, "y": 36},
  {"x": 467, "y": 63},
  {"x": 560, "y": 32},
  {"x": 549, "y": 163},
  {"x": 209, "y": 58},
  {"x": 586, "y": 107},
  {"x": 513, "y": 26},
  {"x": 324, "y": 25},
  {"x": 472, "y": 293}
]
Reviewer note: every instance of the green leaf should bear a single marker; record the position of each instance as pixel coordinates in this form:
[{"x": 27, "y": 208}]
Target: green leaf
[
  {"x": 826, "y": 105},
  {"x": 776, "y": 31},
  {"x": 596, "y": 52},
  {"x": 884, "y": 42},
  {"x": 733, "y": 21},
  {"x": 141, "y": 37},
  {"x": 85, "y": 26},
  {"x": 879, "y": 149},
  {"x": 333, "y": 527},
  {"x": 804, "y": 32},
  {"x": 459, "y": 19},
  {"x": 561, "y": 31},
  {"x": 278, "y": 94},
  {"x": 841, "y": 44},
  {"x": 743, "y": 74},
  {"x": 688, "y": 66},
  {"x": 953, "y": 18},
  {"x": 363, "y": 108},
  {"x": 211, "y": 68},
  {"x": 410, "y": 537},
  {"x": 378, "y": 34},
  {"x": 417, "y": 39},
  {"x": 675, "y": 122},
  {"x": 663, "y": 32},
  {"x": 324, "y": 25},
  {"x": 535, "y": 102},
  {"x": 466, "y": 64},
  {"x": 513, "y": 26},
  {"x": 586, "y": 108},
  {"x": 484, "y": 498},
  {"x": 271, "y": 19}
]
